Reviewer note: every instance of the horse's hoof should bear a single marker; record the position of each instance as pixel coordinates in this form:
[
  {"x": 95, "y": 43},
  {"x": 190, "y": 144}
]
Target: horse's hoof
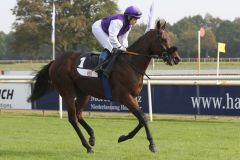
[
  {"x": 152, "y": 148},
  {"x": 121, "y": 138},
  {"x": 92, "y": 141},
  {"x": 90, "y": 151}
]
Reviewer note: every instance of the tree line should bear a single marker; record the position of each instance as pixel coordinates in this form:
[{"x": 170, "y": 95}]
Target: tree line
[{"x": 31, "y": 38}]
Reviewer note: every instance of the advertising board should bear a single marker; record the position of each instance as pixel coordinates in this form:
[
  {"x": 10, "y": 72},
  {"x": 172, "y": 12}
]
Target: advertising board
[
  {"x": 202, "y": 100},
  {"x": 14, "y": 95},
  {"x": 96, "y": 104},
  {"x": 168, "y": 99}
]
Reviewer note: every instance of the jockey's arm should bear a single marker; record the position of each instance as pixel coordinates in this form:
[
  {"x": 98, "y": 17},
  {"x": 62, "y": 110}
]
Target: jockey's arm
[
  {"x": 114, "y": 28},
  {"x": 123, "y": 39}
]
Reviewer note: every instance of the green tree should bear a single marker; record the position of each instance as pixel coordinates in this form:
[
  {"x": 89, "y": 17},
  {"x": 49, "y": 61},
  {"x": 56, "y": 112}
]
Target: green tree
[
  {"x": 173, "y": 38},
  {"x": 211, "y": 23},
  {"x": 136, "y": 32},
  {"x": 139, "y": 29},
  {"x": 187, "y": 24},
  {"x": 208, "y": 45},
  {"x": 217, "y": 30},
  {"x": 187, "y": 44},
  {"x": 228, "y": 32},
  {"x": 73, "y": 23},
  {"x": 185, "y": 32},
  {"x": 2, "y": 43},
  {"x": 236, "y": 39}
]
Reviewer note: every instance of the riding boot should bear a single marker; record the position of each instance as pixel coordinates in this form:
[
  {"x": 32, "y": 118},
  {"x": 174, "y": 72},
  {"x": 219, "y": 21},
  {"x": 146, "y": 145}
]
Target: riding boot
[
  {"x": 104, "y": 55},
  {"x": 108, "y": 68}
]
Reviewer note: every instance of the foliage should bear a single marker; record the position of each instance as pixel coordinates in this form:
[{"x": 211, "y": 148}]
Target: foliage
[
  {"x": 32, "y": 36},
  {"x": 229, "y": 33},
  {"x": 2, "y": 43},
  {"x": 73, "y": 23},
  {"x": 136, "y": 32},
  {"x": 5, "y": 45},
  {"x": 139, "y": 29},
  {"x": 208, "y": 44},
  {"x": 217, "y": 30}
]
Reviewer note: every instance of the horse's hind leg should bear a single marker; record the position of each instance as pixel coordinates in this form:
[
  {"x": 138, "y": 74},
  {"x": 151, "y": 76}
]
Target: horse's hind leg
[
  {"x": 81, "y": 102},
  {"x": 69, "y": 100}
]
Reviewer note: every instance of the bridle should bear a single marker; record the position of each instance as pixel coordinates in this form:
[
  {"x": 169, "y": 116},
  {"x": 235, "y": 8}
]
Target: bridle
[{"x": 164, "y": 52}]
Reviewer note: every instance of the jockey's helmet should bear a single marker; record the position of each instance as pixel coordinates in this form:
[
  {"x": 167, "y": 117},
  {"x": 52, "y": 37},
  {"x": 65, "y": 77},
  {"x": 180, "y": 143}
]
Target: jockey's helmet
[{"x": 133, "y": 12}]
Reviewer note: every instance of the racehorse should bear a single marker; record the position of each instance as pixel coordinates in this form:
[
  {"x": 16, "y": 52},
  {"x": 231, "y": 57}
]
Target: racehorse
[{"x": 126, "y": 82}]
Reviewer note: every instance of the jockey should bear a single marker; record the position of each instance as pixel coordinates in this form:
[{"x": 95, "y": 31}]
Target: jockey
[{"x": 112, "y": 31}]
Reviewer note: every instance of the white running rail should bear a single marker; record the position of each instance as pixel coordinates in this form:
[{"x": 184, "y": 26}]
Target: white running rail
[{"x": 154, "y": 80}]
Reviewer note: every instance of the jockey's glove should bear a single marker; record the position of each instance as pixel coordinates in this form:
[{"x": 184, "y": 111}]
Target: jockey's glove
[{"x": 122, "y": 48}]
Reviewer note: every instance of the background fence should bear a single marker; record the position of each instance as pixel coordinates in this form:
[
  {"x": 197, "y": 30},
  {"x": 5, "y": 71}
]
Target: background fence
[
  {"x": 193, "y": 95},
  {"x": 158, "y": 60}
]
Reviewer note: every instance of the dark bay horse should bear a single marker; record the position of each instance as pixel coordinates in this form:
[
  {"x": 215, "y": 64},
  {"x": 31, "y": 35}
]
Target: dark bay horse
[{"x": 126, "y": 82}]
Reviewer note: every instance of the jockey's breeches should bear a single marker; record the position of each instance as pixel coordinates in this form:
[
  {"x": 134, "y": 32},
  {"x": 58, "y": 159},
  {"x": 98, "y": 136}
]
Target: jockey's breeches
[{"x": 101, "y": 36}]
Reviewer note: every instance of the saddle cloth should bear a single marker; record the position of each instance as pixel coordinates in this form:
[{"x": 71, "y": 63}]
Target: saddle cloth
[{"x": 87, "y": 63}]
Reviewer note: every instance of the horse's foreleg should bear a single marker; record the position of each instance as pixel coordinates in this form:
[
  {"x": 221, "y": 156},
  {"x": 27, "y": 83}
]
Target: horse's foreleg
[
  {"x": 142, "y": 119},
  {"x": 80, "y": 104},
  {"x": 133, "y": 106},
  {"x": 130, "y": 134}
]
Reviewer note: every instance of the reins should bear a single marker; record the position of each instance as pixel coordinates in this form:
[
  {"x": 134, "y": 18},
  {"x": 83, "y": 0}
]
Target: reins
[
  {"x": 144, "y": 55},
  {"x": 136, "y": 69},
  {"x": 137, "y": 54}
]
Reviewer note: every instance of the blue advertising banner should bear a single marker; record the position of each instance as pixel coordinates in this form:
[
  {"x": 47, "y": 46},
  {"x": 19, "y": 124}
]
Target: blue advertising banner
[
  {"x": 202, "y": 100},
  {"x": 50, "y": 101},
  {"x": 173, "y": 99},
  {"x": 96, "y": 104},
  {"x": 167, "y": 99}
]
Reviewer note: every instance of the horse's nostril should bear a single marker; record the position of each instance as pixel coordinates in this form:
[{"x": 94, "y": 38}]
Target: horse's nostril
[
  {"x": 179, "y": 59},
  {"x": 176, "y": 60}
]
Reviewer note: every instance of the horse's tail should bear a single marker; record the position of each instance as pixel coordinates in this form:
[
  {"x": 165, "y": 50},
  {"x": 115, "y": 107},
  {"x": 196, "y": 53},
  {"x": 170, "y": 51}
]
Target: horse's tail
[{"x": 42, "y": 83}]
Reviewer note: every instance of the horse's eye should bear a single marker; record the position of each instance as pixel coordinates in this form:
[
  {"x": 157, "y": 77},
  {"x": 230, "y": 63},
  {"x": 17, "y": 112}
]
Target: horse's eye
[{"x": 164, "y": 40}]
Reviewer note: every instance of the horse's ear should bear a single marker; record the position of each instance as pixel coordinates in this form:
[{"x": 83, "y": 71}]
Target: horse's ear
[{"x": 158, "y": 24}]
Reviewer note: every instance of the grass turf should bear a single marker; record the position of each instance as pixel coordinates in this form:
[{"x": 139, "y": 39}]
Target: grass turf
[
  {"x": 36, "y": 137},
  {"x": 21, "y": 66}
]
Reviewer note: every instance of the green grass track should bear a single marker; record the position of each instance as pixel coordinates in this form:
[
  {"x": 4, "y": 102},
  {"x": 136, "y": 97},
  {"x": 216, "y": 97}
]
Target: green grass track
[{"x": 35, "y": 137}]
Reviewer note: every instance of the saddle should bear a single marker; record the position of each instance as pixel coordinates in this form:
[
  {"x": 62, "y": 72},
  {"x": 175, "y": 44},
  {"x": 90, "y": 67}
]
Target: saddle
[{"x": 87, "y": 63}]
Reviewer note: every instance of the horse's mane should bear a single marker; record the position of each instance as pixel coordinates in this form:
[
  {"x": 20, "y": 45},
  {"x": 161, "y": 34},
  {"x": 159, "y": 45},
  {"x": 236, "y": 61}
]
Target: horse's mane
[{"x": 136, "y": 43}]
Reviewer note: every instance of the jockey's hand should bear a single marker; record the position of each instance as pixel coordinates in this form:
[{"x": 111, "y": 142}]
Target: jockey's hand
[{"x": 122, "y": 48}]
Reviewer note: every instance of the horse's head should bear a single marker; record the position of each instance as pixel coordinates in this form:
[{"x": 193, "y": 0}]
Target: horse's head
[{"x": 161, "y": 46}]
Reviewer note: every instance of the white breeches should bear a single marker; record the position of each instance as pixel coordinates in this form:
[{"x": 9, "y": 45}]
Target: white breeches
[{"x": 101, "y": 36}]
